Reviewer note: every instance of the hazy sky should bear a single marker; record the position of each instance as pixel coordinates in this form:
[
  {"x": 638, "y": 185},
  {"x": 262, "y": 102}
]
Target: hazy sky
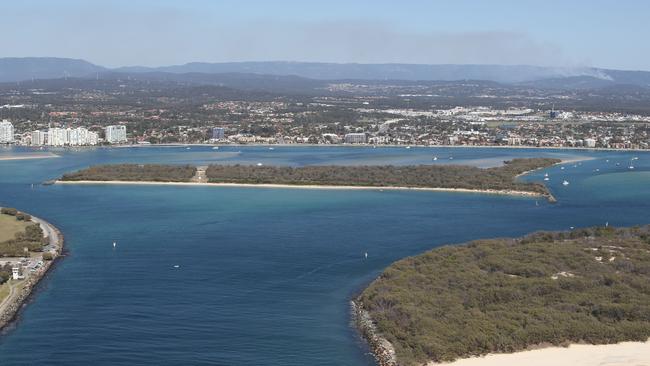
[{"x": 603, "y": 33}]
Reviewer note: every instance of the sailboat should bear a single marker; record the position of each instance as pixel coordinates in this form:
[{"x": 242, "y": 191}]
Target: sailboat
[
  {"x": 565, "y": 183},
  {"x": 435, "y": 158},
  {"x": 114, "y": 245}
]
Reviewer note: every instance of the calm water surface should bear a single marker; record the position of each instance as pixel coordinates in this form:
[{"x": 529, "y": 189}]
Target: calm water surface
[{"x": 265, "y": 275}]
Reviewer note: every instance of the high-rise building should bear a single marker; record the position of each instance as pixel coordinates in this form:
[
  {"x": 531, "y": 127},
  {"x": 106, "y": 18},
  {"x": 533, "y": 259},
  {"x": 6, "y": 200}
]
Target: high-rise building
[
  {"x": 57, "y": 136},
  {"x": 355, "y": 138},
  {"x": 6, "y": 132},
  {"x": 116, "y": 134},
  {"x": 39, "y": 138},
  {"x": 218, "y": 133}
]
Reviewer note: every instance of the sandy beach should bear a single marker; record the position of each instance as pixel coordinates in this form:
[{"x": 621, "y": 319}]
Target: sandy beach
[
  {"x": 29, "y": 157},
  {"x": 292, "y": 186},
  {"x": 620, "y": 354}
]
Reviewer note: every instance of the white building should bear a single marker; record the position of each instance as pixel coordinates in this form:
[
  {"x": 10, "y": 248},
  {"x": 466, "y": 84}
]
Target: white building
[
  {"x": 39, "y": 138},
  {"x": 590, "y": 142},
  {"x": 355, "y": 138},
  {"x": 6, "y": 132},
  {"x": 218, "y": 133},
  {"x": 15, "y": 273},
  {"x": 116, "y": 134},
  {"x": 81, "y": 137},
  {"x": 57, "y": 136}
]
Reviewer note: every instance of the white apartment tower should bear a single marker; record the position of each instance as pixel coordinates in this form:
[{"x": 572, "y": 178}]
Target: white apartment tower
[
  {"x": 39, "y": 138},
  {"x": 6, "y": 132},
  {"x": 116, "y": 134}
]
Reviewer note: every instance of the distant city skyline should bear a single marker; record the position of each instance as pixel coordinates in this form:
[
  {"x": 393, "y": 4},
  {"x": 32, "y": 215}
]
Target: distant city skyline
[{"x": 155, "y": 33}]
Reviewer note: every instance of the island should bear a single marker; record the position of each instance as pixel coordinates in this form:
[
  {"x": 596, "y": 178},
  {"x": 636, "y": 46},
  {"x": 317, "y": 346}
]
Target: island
[
  {"x": 498, "y": 180},
  {"x": 134, "y": 173},
  {"x": 586, "y": 286},
  {"x": 28, "y": 247}
]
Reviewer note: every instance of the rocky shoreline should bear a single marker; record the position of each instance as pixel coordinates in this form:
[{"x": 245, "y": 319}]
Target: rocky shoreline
[
  {"x": 9, "y": 313},
  {"x": 381, "y": 348}
]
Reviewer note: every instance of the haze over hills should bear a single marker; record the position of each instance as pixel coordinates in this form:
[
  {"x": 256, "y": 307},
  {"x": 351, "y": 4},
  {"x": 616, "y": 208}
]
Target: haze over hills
[{"x": 19, "y": 69}]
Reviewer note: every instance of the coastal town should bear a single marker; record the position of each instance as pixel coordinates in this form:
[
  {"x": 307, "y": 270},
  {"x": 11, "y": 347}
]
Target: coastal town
[{"x": 276, "y": 123}]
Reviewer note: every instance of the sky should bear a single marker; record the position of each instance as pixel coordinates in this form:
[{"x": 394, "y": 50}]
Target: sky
[{"x": 113, "y": 33}]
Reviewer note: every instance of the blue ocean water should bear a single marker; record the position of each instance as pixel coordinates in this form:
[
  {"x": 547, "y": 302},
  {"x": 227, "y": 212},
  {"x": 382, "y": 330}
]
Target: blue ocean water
[{"x": 264, "y": 275}]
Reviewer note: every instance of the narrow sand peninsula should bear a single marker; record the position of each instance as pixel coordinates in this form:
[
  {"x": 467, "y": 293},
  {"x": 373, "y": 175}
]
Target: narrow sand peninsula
[
  {"x": 292, "y": 186},
  {"x": 28, "y": 157},
  {"x": 621, "y": 354}
]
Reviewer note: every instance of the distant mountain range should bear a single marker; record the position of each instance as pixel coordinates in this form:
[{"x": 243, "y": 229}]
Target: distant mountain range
[{"x": 20, "y": 69}]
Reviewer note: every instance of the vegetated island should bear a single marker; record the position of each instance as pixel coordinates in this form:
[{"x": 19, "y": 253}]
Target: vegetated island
[
  {"x": 28, "y": 247},
  {"x": 501, "y": 179},
  {"x": 507, "y": 295},
  {"x": 134, "y": 173}
]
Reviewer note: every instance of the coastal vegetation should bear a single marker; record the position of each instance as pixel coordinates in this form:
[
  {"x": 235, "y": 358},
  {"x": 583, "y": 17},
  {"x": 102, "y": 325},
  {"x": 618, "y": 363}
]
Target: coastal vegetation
[
  {"x": 505, "y": 295},
  {"x": 18, "y": 235},
  {"x": 134, "y": 173},
  {"x": 501, "y": 178}
]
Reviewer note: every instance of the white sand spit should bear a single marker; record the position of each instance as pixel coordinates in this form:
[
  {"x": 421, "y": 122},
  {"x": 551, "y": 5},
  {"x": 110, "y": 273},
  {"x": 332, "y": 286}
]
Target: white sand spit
[{"x": 621, "y": 354}]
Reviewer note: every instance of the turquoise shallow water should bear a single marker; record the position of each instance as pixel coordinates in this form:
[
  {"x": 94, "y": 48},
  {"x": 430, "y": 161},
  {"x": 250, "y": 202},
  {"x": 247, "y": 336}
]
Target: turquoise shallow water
[{"x": 265, "y": 275}]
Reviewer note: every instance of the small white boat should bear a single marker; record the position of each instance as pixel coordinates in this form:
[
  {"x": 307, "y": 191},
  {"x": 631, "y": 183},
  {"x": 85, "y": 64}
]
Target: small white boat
[
  {"x": 259, "y": 164},
  {"x": 188, "y": 148},
  {"x": 562, "y": 168},
  {"x": 546, "y": 178},
  {"x": 176, "y": 266},
  {"x": 546, "y": 175},
  {"x": 215, "y": 148},
  {"x": 635, "y": 158},
  {"x": 408, "y": 147},
  {"x": 631, "y": 167},
  {"x": 114, "y": 244},
  {"x": 451, "y": 158},
  {"x": 435, "y": 158},
  {"x": 565, "y": 183},
  {"x": 271, "y": 148},
  {"x": 597, "y": 170}
]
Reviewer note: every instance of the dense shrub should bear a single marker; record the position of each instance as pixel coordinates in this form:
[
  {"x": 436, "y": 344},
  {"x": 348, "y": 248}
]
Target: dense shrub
[
  {"x": 508, "y": 294},
  {"x": 423, "y": 176},
  {"x": 21, "y": 216},
  {"x": 134, "y": 172},
  {"x": 30, "y": 240},
  {"x": 9, "y": 211}
]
